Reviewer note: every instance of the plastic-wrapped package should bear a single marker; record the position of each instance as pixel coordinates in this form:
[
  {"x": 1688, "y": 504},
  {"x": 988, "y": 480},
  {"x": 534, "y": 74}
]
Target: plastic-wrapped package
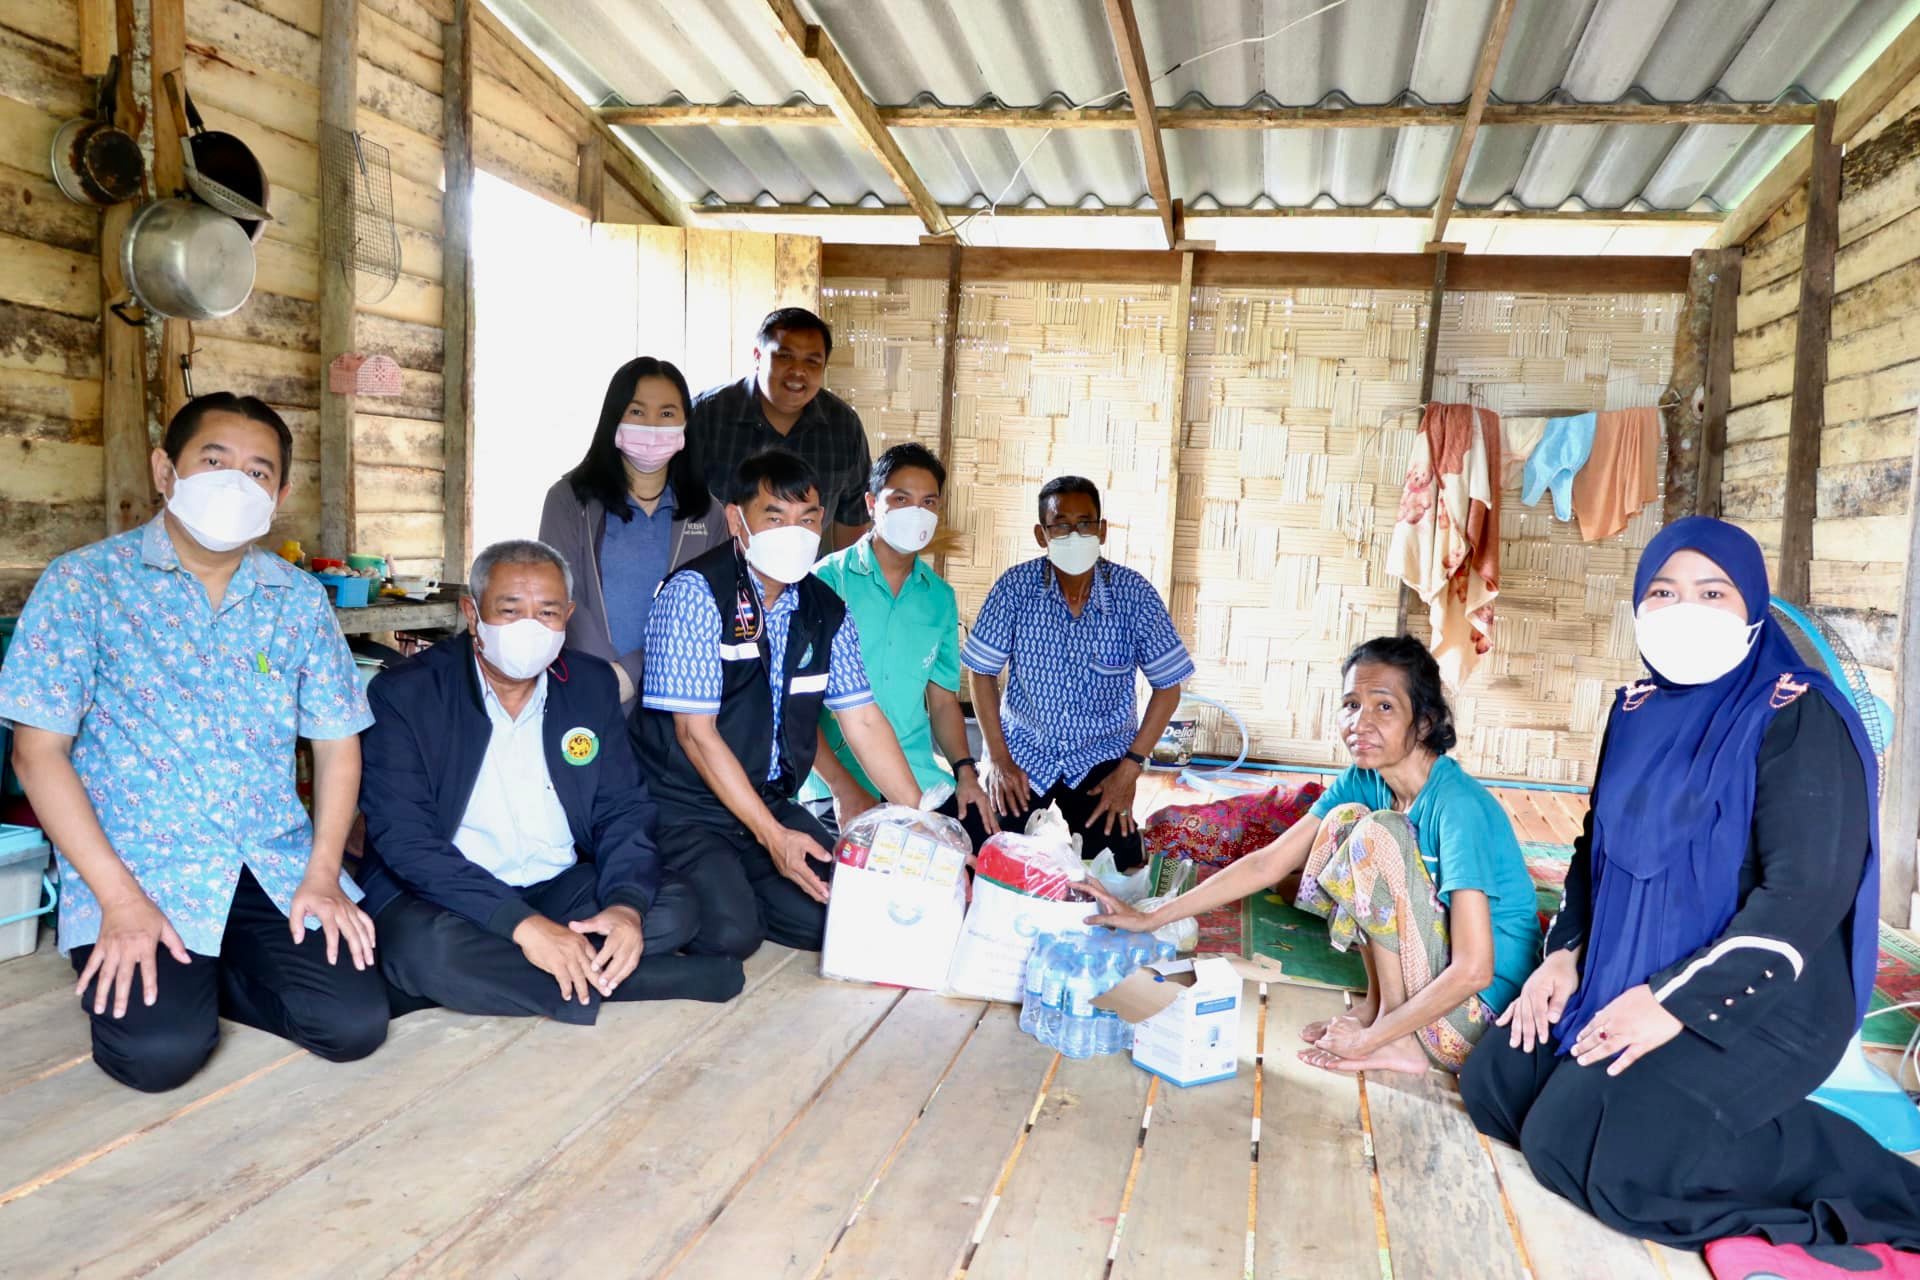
[
  {"x": 1024, "y": 885},
  {"x": 898, "y": 900}
]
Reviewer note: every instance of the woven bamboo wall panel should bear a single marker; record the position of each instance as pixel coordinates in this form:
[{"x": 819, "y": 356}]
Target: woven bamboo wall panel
[{"x": 1300, "y": 408}]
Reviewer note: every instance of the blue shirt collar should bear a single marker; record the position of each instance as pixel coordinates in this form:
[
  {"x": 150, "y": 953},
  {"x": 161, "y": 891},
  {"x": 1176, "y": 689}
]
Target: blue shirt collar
[
  {"x": 864, "y": 560},
  {"x": 1096, "y": 599},
  {"x": 667, "y": 504},
  {"x": 256, "y": 567}
]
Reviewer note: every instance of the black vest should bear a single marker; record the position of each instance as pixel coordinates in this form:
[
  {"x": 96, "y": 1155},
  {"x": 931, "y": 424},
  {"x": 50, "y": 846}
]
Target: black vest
[{"x": 745, "y": 719}]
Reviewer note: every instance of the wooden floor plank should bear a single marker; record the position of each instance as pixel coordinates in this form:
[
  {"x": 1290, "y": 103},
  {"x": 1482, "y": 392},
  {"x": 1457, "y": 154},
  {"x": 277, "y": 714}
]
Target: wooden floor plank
[
  {"x": 41, "y": 1033},
  {"x": 627, "y": 1195},
  {"x": 918, "y": 1222},
  {"x": 139, "y": 1205},
  {"x": 435, "y": 1165},
  {"x": 1444, "y": 1214},
  {"x": 71, "y": 1114},
  {"x": 1314, "y": 1218},
  {"x": 1564, "y": 1242},
  {"x": 786, "y": 1218},
  {"x": 1057, "y": 1214},
  {"x": 1679, "y": 1264},
  {"x": 35, "y": 974},
  {"x": 1188, "y": 1213}
]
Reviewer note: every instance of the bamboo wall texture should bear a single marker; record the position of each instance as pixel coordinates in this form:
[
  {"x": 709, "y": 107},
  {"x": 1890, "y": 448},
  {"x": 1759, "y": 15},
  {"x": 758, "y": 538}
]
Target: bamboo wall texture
[{"x": 1300, "y": 407}]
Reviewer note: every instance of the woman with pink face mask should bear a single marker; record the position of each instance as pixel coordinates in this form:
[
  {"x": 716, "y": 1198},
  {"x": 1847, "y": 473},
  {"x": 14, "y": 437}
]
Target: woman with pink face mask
[{"x": 630, "y": 513}]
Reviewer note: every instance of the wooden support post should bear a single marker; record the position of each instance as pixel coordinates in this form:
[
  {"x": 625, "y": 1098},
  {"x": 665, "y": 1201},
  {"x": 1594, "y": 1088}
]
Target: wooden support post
[
  {"x": 1722, "y": 322},
  {"x": 1470, "y": 125},
  {"x": 339, "y": 72},
  {"x": 1436, "y": 305},
  {"x": 456, "y": 315},
  {"x": 1900, "y": 803},
  {"x": 949, "y": 367},
  {"x": 1684, "y": 401},
  {"x": 1139, "y": 81},
  {"x": 168, "y": 41},
  {"x": 1176, "y": 419},
  {"x": 593, "y": 179},
  {"x": 1812, "y": 326},
  {"x": 123, "y": 347}
]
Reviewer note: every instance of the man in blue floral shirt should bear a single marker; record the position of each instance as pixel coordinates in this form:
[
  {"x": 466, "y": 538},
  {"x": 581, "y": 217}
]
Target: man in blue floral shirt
[{"x": 156, "y": 683}]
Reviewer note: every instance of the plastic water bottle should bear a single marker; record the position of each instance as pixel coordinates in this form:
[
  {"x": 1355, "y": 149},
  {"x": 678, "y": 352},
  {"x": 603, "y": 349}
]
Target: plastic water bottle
[
  {"x": 1053, "y": 998},
  {"x": 1036, "y": 968},
  {"x": 1112, "y": 1035},
  {"x": 1139, "y": 956},
  {"x": 1077, "y": 1027},
  {"x": 1164, "y": 951}
]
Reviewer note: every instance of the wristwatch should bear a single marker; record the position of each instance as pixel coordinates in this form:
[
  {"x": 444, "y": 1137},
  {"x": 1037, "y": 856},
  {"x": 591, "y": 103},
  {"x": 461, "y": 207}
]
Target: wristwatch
[
  {"x": 1136, "y": 757},
  {"x": 963, "y": 762}
]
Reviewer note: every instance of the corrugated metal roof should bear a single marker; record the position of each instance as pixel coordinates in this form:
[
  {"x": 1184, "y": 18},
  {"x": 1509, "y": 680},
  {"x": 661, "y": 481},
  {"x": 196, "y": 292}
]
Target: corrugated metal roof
[{"x": 1036, "y": 52}]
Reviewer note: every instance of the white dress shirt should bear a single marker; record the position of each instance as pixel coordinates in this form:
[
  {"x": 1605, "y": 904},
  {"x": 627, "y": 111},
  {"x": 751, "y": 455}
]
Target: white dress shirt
[{"x": 514, "y": 825}]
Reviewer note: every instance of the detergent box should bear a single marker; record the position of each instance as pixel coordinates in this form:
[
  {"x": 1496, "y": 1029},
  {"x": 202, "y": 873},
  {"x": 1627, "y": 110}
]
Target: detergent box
[{"x": 1185, "y": 1016}]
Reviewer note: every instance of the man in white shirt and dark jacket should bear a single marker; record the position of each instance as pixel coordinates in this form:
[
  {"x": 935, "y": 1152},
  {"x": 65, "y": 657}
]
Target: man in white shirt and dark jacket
[{"x": 510, "y": 865}]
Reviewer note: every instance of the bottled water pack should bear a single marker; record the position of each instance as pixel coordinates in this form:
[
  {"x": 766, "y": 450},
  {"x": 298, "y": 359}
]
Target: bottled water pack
[{"x": 1066, "y": 972}]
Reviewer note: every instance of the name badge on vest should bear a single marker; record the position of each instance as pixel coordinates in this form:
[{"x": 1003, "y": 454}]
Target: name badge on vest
[
  {"x": 808, "y": 684},
  {"x": 580, "y": 746}
]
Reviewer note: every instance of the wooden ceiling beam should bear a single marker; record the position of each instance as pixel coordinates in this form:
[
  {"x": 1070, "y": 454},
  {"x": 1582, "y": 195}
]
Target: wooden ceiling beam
[
  {"x": 1470, "y": 123},
  {"x": 681, "y": 115},
  {"x": 1139, "y": 82},
  {"x": 851, "y": 106},
  {"x": 1891, "y": 72}
]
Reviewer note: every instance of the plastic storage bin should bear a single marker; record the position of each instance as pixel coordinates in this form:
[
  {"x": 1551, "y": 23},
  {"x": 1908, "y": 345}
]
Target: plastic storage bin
[
  {"x": 348, "y": 592},
  {"x": 9, "y": 785},
  {"x": 26, "y": 890}
]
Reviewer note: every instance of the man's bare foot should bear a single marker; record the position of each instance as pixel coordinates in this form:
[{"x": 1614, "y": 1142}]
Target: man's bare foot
[{"x": 1402, "y": 1055}]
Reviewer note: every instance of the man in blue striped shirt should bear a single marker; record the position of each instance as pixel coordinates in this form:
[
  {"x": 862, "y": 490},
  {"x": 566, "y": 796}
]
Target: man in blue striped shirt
[{"x": 1070, "y": 629}]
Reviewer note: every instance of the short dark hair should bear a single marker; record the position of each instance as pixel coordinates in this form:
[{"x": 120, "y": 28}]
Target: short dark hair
[
  {"x": 1424, "y": 688},
  {"x": 793, "y": 319},
  {"x": 786, "y": 476},
  {"x": 601, "y": 474},
  {"x": 1059, "y": 486},
  {"x": 905, "y": 455},
  {"x": 186, "y": 423}
]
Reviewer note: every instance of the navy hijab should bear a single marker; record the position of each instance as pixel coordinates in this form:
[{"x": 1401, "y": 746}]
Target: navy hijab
[{"x": 1673, "y": 803}]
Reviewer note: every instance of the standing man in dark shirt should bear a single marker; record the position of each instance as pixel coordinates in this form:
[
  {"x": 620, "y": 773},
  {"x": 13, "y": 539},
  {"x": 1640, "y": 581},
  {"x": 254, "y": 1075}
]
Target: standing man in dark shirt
[{"x": 782, "y": 405}]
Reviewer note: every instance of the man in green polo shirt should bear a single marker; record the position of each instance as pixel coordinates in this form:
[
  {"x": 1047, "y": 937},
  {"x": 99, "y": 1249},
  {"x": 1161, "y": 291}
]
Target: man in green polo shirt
[{"x": 909, "y": 629}]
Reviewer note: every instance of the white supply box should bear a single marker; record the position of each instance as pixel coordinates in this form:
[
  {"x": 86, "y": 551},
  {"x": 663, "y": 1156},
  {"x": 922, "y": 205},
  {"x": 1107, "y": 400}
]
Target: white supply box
[
  {"x": 1185, "y": 1016},
  {"x": 893, "y": 920}
]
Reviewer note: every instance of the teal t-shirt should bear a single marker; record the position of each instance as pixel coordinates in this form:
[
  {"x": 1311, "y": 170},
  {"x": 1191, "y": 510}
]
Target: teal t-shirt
[{"x": 1467, "y": 842}]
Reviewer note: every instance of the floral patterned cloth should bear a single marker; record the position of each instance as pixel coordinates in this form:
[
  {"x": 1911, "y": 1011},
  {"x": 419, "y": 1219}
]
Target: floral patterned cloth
[
  {"x": 1366, "y": 876},
  {"x": 1213, "y": 836},
  {"x": 184, "y": 719},
  {"x": 1446, "y": 542}
]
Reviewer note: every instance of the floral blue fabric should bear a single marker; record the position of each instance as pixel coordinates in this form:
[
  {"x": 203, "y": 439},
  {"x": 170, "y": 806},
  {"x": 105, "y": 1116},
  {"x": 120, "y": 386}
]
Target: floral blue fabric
[{"x": 183, "y": 719}]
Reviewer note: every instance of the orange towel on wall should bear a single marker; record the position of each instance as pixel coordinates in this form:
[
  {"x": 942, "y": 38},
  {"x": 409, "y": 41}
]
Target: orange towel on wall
[
  {"x": 1621, "y": 475},
  {"x": 1446, "y": 543}
]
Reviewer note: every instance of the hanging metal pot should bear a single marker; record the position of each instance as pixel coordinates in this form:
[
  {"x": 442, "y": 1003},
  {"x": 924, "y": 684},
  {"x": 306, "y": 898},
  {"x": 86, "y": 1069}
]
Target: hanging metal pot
[
  {"x": 94, "y": 161},
  {"x": 184, "y": 260},
  {"x": 220, "y": 169}
]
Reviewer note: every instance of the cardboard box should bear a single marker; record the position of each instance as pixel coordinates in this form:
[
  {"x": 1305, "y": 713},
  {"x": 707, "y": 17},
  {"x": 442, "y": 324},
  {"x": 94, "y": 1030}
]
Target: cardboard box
[
  {"x": 1185, "y": 1016},
  {"x": 891, "y": 928}
]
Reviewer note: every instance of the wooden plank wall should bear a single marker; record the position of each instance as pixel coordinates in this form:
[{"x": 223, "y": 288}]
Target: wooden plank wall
[
  {"x": 1860, "y": 526},
  {"x": 52, "y": 470},
  {"x": 1300, "y": 406},
  {"x": 252, "y": 67}
]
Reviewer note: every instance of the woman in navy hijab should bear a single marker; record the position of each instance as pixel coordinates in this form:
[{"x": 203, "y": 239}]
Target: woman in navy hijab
[{"x": 1717, "y": 945}]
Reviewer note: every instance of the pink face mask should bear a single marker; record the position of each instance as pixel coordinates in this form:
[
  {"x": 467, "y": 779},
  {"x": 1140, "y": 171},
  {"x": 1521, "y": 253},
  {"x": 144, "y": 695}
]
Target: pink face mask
[{"x": 649, "y": 448}]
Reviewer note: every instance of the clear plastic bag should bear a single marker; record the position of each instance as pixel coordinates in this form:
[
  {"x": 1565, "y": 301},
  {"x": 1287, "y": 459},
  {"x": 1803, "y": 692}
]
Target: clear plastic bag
[
  {"x": 1129, "y": 888},
  {"x": 895, "y": 840}
]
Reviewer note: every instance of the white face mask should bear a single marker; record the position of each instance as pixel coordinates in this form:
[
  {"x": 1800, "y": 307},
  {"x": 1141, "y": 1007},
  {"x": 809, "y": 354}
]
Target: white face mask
[
  {"x": 521, "y": 649},
  {"x": 906, "y": 529},
  {"x": 785, "y": 553},
  {"x": 1692, "y": 643},
  {"x": 221, "y": 509},
  {"x": 1074, "y": 554}
]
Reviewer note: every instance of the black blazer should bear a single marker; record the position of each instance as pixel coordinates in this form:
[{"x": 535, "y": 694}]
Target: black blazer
[{"x": 422, "y": 756}]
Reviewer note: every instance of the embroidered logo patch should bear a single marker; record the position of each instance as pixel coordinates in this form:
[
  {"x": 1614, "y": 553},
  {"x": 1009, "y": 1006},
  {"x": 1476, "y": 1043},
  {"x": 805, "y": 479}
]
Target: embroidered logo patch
[
  {"x": 1637, "y": 694},
  {"x": 580, "y": 746},
  {"x": 806, "y": 657},
  {"x": 1786, "y": 691}
]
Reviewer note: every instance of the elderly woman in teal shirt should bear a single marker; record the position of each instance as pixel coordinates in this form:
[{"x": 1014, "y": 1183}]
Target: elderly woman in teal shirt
[{"x": 1406, "y": 856}]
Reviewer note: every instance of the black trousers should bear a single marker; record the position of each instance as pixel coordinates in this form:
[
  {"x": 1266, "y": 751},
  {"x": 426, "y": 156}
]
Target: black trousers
[
  {"x": 744, "y": 900},
  {"x": 1650, "y": 1161},
  {"x": 260, "y": 978},
  {"x": 1076, "y": 806},
  {"x": 430, "y": 956}
]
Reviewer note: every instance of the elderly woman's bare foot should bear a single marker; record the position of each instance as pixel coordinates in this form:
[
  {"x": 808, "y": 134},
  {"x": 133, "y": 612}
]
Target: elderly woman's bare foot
[{"x": 1402, "y": 1055}]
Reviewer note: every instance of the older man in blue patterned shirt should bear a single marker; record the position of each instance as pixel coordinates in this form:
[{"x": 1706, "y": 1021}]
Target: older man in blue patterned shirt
[
  {"x": 156, "y": 684},
  {"x": 1069, "y": 630}
]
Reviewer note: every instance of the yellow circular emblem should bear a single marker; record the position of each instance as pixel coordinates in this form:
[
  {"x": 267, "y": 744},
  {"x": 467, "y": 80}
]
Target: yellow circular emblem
[{"x": 580, "y": 746}]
